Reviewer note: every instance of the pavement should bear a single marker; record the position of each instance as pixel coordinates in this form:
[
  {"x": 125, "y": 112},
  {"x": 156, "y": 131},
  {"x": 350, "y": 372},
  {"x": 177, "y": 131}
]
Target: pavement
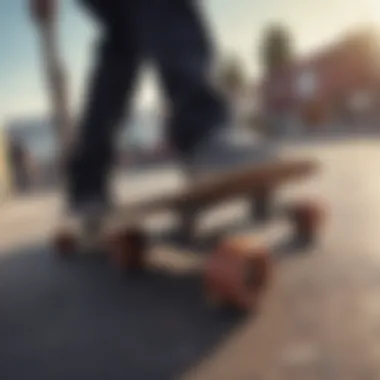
[{"x": 320, "y": 318}]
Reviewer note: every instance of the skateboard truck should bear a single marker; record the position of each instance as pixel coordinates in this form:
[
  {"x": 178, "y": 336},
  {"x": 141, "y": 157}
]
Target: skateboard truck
[
  {"x": 262, "y": 205},
  {"x": 188, "y": 222}
]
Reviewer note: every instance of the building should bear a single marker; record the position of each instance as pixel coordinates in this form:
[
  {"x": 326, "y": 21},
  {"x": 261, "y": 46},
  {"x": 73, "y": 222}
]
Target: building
[{"x": 339, "y": 83}]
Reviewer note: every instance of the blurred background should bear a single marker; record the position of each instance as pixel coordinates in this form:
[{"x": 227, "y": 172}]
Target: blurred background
[{"x": 291, "y": 68}]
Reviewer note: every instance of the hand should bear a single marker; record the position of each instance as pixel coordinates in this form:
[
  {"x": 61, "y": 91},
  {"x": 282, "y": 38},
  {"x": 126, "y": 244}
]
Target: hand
[{"x": 43, "y": 10}]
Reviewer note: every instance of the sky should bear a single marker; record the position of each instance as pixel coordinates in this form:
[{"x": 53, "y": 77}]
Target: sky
[{"x": 237, "y": 27}]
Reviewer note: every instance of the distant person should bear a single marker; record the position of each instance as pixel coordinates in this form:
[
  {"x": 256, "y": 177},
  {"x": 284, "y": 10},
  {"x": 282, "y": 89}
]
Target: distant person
[{"x": 173, "y": 36}]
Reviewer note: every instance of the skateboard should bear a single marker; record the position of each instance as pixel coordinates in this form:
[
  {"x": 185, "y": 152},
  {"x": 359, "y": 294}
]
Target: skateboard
[{"x": 236, "y": 270}]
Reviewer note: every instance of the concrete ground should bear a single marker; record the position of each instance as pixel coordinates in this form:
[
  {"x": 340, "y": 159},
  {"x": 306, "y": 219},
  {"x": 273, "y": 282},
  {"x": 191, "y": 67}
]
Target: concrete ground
[{"x": 320, "y": 318}]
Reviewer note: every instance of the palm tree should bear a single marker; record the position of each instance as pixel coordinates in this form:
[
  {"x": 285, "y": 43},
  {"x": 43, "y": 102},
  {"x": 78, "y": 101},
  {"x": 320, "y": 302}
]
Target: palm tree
[
  {"x": 276, "y": 49},
  {"x": 231, "y": 76}
]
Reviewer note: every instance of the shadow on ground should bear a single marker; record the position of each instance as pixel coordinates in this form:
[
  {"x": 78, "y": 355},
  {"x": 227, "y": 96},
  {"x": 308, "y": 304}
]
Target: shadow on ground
[{"x": 80, "y": 320}]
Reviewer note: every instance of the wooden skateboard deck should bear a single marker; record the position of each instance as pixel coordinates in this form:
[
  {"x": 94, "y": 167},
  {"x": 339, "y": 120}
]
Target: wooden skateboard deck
[
  {"x": 249, "y": 180},
  {"x": 254, "y": 181}
]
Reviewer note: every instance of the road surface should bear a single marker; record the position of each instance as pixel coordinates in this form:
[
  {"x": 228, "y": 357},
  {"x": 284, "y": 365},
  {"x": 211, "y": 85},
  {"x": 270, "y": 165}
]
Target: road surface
[{"x": 320, "y": 320}]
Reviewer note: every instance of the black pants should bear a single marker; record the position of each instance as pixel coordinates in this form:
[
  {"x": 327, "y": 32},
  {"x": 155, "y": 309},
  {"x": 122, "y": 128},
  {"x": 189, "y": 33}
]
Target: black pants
[{"x": 171, "y": 35}]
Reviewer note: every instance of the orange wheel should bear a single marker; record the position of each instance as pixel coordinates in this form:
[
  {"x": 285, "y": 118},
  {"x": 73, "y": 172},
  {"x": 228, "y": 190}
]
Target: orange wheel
[
  {"x": 237, "y": 273},
  {"x": 307, "y": 216},
  {"x": 65, "y": 243},
  {"x": 127, "y": 248}
]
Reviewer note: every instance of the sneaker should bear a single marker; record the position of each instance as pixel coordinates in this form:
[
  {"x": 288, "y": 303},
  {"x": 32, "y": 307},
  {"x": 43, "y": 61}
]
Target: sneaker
[
  {"x": 88, "y": 211},
  {"x": 225, "y": 150},
  {"x": 86, "y": 217}
]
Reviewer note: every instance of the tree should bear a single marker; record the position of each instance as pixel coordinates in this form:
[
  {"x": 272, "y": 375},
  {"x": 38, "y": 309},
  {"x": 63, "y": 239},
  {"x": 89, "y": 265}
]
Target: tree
[
  {"x": 277, "y": 48},
  {"x": 231, "y": 76}
]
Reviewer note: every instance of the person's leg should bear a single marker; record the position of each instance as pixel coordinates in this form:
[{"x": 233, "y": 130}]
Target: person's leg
[
  {"x": 175, "y": 36},
  {"x": 110, "y": 87},
  {"x": 201, "y": 129}
]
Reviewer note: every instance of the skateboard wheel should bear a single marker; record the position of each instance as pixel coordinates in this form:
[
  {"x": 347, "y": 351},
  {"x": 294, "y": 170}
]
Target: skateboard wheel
[
  {"x": 65, "y": 243},
  {"x": 127, "y": 249},
  {"x": 187, "y": 227},
  {"x": 307, "y": 216},
  {"x": 236, "y": 274}
]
